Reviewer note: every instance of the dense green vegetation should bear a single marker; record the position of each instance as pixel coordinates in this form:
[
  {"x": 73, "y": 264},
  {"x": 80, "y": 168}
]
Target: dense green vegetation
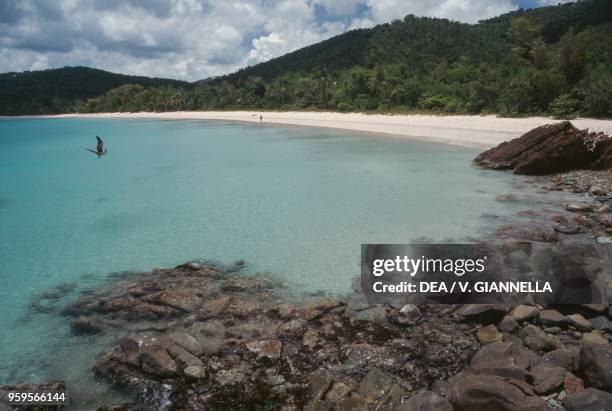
[
  {"x": 56, "y": 91},
  {"x": 554, "y": 60}
]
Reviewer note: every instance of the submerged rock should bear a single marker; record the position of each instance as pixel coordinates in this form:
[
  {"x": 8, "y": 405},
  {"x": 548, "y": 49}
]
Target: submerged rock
[
  {"x": 86, "y": 325},
  {"x": 426, "y": 401}
]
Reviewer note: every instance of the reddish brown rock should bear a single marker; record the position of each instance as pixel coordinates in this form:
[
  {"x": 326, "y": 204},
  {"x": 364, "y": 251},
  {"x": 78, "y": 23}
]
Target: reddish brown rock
[
  {"x": 314, "y": 308},
  {"x": 604, "y": 162},
  {"x": 184, "y": 300},
  {"x": 183, "y": 358},
  {"x": 293, "y": 328},
  {"x": 566, "y": 357},
  {"x": 214, "y": 307},
  {"x": 547, "y": 378},
  {"x": 505, "y": 359},
  {"x": 490, "y": 392},
  {"x": 242, "y": 308},
  {"x": 536, "y": 339},
  {"x": 186, "y": 341},
  {"x": 572, "y": 384},
  {"x": 549, "y": 149}
]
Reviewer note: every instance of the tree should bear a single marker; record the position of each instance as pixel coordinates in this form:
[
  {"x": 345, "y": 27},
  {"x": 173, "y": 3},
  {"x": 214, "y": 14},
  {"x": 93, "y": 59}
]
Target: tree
[
  {"x": 321, "y": 78},
  {"x": 377, "y": 83},
  {"x": 524, "y": 31},
  {"x": 571, "y": 57},
  {"x": 598, "y": 96}
]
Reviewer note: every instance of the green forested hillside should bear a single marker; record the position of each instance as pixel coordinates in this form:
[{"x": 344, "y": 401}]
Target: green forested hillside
[
  {"x": 554, "y": 60},
  {"x": 54, "y": 91}
]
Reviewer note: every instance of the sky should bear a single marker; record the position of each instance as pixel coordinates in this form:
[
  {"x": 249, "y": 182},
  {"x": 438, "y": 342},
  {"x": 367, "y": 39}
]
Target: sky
[{"x": 196, "y": 39}]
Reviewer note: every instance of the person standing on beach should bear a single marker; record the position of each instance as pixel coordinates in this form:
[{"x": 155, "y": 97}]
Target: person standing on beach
[{"x": 260, "y": 118}]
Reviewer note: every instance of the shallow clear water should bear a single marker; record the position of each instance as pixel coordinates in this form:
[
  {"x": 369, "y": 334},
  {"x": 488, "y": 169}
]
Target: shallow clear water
[{"x": 291, "y": 201}]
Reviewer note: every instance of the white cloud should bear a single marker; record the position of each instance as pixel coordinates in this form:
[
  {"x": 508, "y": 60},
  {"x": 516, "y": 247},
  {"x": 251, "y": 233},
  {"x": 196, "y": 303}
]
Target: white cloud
[
  {"x": 194, "y": 39},
  {"x": 340, "y": 8},
  {"x": 469, "y": 11},
  {"x": 293, "y": 25}
]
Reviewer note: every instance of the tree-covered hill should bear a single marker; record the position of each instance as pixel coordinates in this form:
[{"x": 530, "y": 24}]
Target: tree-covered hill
[
  {"x": 421, "y": 42},
  {"x": 552, "y": 60},
  {"x": 50, "y": 91},
  {"x": 414, "y": 42}
]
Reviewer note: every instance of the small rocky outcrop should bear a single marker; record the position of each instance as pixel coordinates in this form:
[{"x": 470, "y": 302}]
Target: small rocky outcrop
[{"x": 549, "y": 149}]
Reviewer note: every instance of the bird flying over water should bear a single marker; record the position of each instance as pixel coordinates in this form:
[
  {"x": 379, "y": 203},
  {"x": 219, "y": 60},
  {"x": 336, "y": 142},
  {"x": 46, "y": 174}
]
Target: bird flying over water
[{"x": 99, "y": 151}]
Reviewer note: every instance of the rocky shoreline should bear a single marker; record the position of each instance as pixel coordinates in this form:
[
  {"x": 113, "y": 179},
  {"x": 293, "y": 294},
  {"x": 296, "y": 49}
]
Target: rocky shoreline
[{"x": 585, "y": 218}]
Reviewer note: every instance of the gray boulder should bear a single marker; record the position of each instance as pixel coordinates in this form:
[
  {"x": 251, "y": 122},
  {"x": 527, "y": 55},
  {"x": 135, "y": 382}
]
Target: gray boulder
[
  {"x": 596, "y": 363},
  {"x": 547, "y": 378},
  {"x": 536, "y": 339},
  {"x": 553, "y": 318},
  {"x": 590, "y": 399}
]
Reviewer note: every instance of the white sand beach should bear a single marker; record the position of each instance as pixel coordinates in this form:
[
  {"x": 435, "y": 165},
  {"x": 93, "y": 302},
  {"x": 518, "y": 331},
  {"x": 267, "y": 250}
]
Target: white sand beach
[{"x": 468, "y": 131}]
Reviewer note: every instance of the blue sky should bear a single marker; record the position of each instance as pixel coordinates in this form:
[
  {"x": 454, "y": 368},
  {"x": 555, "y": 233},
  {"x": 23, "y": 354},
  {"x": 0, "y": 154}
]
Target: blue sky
[{"x": 195, "y": 39}]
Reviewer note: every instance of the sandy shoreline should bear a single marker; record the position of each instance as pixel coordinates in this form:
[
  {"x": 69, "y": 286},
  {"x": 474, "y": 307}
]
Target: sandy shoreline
[{"x": 468, "y": 131}]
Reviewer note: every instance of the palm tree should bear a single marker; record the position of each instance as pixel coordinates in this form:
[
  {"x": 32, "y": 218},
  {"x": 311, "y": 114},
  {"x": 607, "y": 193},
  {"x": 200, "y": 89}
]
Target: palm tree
[{"x": 322, "y": 85}]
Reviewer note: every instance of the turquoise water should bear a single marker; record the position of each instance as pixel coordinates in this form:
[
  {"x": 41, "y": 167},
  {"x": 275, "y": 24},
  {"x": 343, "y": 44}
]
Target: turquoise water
[{"x": 295, "y": 202}]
